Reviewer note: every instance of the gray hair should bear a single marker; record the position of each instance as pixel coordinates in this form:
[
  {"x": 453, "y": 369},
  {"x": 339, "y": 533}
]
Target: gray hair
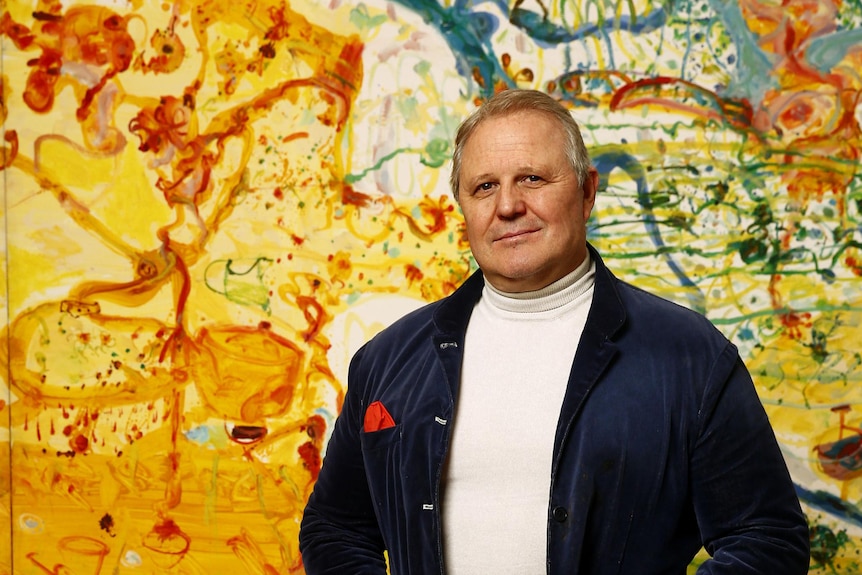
[{"x": 512, "y": 101}]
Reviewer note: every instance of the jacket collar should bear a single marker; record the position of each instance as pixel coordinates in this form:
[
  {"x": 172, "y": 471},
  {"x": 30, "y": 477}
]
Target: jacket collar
[
  {"x": 453, "y": 314},
  {"x": 607, "y": 313}
]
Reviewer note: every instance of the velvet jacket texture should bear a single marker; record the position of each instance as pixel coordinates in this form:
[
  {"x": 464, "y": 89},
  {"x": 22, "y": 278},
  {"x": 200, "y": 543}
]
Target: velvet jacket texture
[{"x": 662, "y": 446}]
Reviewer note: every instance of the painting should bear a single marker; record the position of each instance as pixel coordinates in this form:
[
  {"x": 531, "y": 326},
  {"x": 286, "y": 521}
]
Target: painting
[{"x": 209, "y": 205}]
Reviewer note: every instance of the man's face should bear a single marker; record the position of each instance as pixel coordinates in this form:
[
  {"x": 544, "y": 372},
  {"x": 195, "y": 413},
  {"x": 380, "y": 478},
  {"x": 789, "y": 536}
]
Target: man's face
[{"x": 525, "y": 212}]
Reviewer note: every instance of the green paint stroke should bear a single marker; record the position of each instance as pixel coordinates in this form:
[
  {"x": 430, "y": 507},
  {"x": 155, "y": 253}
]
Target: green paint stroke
[{"x": 240, "y": 282}]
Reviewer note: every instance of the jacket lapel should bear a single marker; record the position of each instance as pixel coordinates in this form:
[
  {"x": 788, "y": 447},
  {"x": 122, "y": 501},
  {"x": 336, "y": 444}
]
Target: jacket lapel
[
  {"x": 595, "y": 351},
  {"x": 450, "y": 321}
]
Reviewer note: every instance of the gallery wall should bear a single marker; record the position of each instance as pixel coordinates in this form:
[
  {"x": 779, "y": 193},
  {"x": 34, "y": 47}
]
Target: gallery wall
[{"x": 209, "y": 206}]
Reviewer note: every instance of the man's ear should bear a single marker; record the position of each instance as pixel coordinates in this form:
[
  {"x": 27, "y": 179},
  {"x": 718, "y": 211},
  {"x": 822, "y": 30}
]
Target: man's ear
[{"x": 591, "y": 187}]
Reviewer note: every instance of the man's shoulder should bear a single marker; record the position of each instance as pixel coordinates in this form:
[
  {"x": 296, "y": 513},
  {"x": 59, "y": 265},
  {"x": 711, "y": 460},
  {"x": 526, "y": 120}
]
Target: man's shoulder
[
  {"x": 419, "y": 319},
  {"x": 446, "y": 315},
  {"x": 662, "y": 315},
  {"x": 639, "y": 304},
  {"x": 408, "y": 341},
  {"x": 647, "y": 300}
]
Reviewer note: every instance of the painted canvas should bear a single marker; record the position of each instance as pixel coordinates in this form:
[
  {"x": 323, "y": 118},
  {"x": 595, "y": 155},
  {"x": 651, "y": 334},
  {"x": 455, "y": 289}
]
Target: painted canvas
[{"x": 209, "y": 205}]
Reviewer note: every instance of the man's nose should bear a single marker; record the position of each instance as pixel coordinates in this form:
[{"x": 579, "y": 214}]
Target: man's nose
[{"x": 510, "y": 201}]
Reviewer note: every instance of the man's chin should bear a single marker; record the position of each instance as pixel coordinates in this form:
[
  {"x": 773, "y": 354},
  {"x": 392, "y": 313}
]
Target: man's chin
[{"x": 517, "y": 280}]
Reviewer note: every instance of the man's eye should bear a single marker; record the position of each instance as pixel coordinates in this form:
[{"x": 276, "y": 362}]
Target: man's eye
[
  {"x": 485, "y": 186},
  {"x": 533, "y": 178}
]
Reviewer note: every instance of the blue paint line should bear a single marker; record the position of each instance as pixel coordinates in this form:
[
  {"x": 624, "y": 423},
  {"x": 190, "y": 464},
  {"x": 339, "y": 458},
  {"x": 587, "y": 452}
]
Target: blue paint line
[
  {"x": 829, "y": 503},
  {"x": 548, "y": 35},
  {"x": 605, "y": 162}
]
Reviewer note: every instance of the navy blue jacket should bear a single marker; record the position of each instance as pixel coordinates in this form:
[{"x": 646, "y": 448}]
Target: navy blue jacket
[{"x": 662, "y": 446}]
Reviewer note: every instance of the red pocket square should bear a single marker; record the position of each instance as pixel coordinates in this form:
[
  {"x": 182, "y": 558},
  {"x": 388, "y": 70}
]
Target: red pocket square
[{"x": 377, "y": 418}]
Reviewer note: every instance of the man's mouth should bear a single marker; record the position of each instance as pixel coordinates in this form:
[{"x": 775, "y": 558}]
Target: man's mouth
[{"x": 514, "y": 235}]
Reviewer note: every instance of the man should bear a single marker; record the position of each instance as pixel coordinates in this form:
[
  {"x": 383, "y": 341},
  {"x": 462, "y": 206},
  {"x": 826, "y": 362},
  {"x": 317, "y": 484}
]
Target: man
[{"x": 547, "y": 417}]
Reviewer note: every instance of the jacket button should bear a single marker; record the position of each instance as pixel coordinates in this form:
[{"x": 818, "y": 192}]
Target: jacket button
[{"x": 559, "y": 514}]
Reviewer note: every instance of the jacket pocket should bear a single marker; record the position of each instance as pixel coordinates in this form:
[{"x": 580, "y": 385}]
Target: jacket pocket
[{"x": 374, "y": 440}]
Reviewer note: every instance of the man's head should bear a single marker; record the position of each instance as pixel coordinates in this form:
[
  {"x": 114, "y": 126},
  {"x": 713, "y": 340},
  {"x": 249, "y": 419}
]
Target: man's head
[
  {"x": 509, "y": 102},
  {"x": 523, "y": 178}
]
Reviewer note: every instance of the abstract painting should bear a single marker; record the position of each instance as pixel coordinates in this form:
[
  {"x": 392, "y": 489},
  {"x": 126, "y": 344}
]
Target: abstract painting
[{"x": 210, "y": 205}]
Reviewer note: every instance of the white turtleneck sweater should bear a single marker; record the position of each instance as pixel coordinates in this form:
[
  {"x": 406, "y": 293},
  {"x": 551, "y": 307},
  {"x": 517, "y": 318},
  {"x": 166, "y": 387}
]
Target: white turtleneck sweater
[{"x": 518, "y": 353}]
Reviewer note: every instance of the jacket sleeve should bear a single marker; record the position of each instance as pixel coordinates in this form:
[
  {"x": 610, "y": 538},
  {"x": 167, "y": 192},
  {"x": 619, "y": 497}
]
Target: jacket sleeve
[
  {"x": 745, "y": 501},
  {"x": 339, "y": 534}
]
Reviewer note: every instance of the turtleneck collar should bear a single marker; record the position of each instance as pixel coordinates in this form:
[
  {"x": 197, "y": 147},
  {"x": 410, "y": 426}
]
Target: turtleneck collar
[{"x": 554, "y": 296}]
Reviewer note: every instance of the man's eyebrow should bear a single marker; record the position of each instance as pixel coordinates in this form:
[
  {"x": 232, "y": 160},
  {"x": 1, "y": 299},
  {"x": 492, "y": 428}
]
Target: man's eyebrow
[{"x": 484, "y": 177}]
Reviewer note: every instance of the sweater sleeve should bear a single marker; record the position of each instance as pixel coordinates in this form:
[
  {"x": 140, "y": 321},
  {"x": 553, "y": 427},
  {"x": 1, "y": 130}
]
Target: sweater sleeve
[
  {"x": 745, "y": 501},
  {"x": 339, "y": 534}
]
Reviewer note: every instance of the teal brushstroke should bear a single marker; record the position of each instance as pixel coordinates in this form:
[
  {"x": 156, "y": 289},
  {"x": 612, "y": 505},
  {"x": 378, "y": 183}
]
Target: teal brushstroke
[
  {"x": 547, "y": 34},
  {"x": 468, "y": 35},
  {"x": 353, "y": 178},
  {"x": 825, "y": 52},
  {"x": 434, "y": 155},
  {"x": 753, "y": 73}
]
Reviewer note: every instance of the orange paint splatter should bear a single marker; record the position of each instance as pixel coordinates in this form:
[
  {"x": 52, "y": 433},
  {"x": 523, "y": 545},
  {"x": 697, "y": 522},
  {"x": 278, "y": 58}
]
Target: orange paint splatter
[
  {"x": 311, "y": 459},
  {"x": 413, "y": 274},
  {"x": 79, "y": 444}
]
